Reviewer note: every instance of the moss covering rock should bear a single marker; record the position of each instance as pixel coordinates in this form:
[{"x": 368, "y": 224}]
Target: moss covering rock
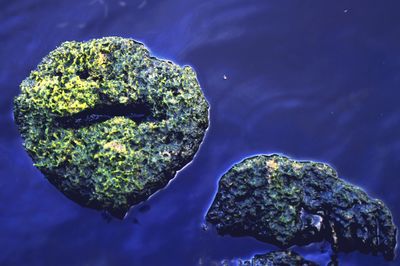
[
  {"x": 107, "y": 123},
  {"x": 286, "y": 202},
  {"x": 278, "y": 258}
]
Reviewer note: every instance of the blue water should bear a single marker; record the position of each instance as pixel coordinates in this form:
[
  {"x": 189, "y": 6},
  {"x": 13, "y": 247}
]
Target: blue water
[{"x": 311, "y": 79}]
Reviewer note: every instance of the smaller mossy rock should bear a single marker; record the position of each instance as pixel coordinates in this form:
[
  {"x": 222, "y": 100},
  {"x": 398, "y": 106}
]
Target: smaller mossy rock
[
  {"x": 107, "y": 123},
  {"x": 278, "y": 258},
  {"x": 286, "y": 202}
]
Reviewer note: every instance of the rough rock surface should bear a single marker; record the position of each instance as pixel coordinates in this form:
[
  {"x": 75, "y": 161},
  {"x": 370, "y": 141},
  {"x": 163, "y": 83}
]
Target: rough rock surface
[
  {"x": 108, "y": 124},
  {"x": 278, "y": 258},
  {"x": 287, "y": 202}
]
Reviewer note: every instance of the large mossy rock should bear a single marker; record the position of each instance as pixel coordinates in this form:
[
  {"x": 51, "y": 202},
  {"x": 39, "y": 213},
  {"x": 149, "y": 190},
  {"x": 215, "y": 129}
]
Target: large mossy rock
[
  {"x": 287, "y": 202},
  {"x": 108, "y": 124}
]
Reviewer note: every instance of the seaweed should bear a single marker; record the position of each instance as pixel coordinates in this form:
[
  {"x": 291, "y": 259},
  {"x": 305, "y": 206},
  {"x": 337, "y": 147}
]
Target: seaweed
[
  {"x": 107, "y": 123},
  {"x": 287, "y": 202}
]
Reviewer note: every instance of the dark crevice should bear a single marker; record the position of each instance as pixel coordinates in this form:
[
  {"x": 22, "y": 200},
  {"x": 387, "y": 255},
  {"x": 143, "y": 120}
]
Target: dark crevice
[
  {"x": 83, "y": 74},
  {"x": 179, "y": 136},
  {"x": 138, "y": 112}
]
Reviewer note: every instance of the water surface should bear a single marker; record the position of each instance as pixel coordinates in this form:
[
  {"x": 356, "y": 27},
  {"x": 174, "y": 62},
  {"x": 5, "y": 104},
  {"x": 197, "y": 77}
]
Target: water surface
[{"x": 313, "y": 80}]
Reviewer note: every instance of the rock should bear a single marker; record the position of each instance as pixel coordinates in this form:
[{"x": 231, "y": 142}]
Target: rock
[
  {"x": 107, "y": 123},
  {"x": 278, "y": 258},
  {"x": 287, "y": 202}
]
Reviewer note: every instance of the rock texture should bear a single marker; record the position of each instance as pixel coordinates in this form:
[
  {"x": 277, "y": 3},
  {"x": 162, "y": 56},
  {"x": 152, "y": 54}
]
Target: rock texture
[
  {"x": 108, "y": 124},
  {"x": 278, "y": 258},
  {"x": 287, "y": 202}
]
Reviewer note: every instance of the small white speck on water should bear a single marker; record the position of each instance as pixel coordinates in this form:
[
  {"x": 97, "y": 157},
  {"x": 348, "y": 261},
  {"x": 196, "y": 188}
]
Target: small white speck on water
[
  {"x": 225, "y": 77},
  {"x": 346, "y": 11}
]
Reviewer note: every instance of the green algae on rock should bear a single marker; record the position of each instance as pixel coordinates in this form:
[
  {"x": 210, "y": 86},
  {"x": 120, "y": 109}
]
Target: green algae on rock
[
  {"x": 107, "y": 123},
  {"x": 278, "y": 258},
  {"x": 287, "y": 202}
]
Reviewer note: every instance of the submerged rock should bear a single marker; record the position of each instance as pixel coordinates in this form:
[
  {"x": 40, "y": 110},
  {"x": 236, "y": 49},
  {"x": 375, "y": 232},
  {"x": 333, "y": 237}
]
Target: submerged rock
[
  {"x": 287, "y": 202},
  {"x": 278, "y": 258},
  {"x": 108, "y": 124}
]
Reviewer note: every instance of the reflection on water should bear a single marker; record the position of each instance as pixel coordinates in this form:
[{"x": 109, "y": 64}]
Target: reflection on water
[{"x": 307, "y": 79}]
